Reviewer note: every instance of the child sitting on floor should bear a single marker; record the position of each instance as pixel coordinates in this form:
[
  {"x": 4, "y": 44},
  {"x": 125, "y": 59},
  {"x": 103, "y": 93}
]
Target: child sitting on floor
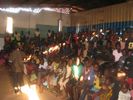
[
  {"x": 97, "y": 83},
  {"x": 105, "y": 92}
]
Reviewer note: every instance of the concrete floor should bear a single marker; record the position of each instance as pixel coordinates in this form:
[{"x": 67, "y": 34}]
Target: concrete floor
[{"x": 7, "y": 92}]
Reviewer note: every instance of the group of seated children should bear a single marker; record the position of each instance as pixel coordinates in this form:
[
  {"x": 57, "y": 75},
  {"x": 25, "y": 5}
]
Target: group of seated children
[{"x": 81, "y": 80}]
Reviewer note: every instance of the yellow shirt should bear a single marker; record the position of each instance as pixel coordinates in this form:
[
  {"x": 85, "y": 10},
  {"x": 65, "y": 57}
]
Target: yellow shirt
[
  {"x": 97, "y": 82},
  {"x": 55, "y": 65}
]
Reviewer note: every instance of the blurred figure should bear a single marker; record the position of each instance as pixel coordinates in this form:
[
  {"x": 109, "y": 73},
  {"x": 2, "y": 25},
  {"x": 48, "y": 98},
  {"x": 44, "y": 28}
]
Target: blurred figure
[
  {"x": 117, "y": 52},
  {"x": 88, "y": 76},
  {"x": 131, "y": 94},
  {"x": 17, "y": 58},
  {"x": 42, "y": 72},
  {"x": 129, "y": 67},
  {"x": 122, "y": 59},
  {"x": 124, "y": 93},
  {"x": 109, "y": 46},
  {"x": 17, "y": 36}
]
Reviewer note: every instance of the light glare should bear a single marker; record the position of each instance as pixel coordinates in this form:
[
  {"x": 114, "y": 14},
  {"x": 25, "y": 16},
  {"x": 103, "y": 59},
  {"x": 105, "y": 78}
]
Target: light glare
[
  {"x": 9, "y": 27},
  {"x": 33, "y": 10},
  {"x": 31, "y": 92},
  {"x": 78, "y": 61},
  {"x": 76, "y": 74},
  {"x": 60, "y": 25}
]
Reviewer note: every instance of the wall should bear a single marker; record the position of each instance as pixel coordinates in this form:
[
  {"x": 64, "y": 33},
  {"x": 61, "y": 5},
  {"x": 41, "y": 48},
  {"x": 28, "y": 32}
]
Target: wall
[
  {"x": 112, "y": 14},
  {"x": 101, "y": 17},
  {"x": 25, "y": 21}
]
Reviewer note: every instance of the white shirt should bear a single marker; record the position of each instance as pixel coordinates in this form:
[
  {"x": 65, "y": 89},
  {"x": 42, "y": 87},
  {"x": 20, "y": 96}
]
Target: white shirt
[
  {"x": 68, "y": 71},
  {"x": 117, "y": 55},
  {"x": 124, "y": 96},
  {"x": 44, "y": 66},
  {"x": 37, "y": 33},
  {"x": 49, "y": 34}
]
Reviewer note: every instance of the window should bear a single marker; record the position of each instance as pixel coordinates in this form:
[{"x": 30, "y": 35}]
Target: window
[{"x": 9, "y": 25}]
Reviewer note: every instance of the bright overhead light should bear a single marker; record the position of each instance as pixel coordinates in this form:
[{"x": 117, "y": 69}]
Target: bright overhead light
[
  {"x": 37, "y": 10},
  {"x": 34, "y": 10},
  {"x": 49, "y": 9},
  {"x": 11, "y": 10}
]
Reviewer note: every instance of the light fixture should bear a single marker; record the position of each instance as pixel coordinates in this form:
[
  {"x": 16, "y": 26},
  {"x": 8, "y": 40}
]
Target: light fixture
[{"x": 34, "y": 10}]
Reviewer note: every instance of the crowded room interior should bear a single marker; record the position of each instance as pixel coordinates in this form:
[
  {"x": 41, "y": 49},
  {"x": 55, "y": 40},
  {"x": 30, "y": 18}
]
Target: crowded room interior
[{"x": 66, "y": 49}]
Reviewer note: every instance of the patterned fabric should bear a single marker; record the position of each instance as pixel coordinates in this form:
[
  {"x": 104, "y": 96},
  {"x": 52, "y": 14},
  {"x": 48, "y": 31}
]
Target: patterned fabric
[{"x": 106, "y": 95}]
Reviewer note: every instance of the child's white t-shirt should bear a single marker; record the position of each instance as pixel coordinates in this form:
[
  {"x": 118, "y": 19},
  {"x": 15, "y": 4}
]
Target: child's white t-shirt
[
  {"x": 117, "y": 55},
  {"x": 124, "y": 96}
]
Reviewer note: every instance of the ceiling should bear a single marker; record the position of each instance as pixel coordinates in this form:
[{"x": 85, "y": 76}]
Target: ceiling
[{"x": 75, "y": 5}]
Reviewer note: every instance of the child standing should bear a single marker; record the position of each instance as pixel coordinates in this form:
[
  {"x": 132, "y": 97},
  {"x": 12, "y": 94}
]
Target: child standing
[{"x": 124, "y": 93}]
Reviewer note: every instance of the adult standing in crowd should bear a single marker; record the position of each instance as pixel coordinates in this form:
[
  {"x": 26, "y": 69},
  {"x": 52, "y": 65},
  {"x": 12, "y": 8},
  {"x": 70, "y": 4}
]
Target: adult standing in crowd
[
  {"x": 17, "y": 58},
  {"x": 36, "y": 38},
  {"x": 129, "y": 67}
]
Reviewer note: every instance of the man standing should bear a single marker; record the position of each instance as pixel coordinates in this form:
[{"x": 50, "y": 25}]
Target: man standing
[{"x": 17, "y": 58}]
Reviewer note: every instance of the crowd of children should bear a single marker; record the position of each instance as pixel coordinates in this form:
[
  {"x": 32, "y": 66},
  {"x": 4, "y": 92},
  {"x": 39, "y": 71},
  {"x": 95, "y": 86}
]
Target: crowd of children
[{"x": 84, "y": 66}]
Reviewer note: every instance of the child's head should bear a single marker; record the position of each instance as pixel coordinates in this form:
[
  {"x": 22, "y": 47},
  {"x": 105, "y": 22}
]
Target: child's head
[
  {"x": 107, "y": 73},
  {"x": 104, "y": 87},
  {"x": 90, "y": 62},
  {"x": 124, "y": 87},
  {"x": 96, "y": 67},
  {"x": 41, "y": 61},
  {"x": 64, "y": 63},
  {"x": 70, "y": 61},
  {"x": 118, "y": 46},
  {"x": 85, "y": 60},
  {"x": 108, "y": 81}
]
